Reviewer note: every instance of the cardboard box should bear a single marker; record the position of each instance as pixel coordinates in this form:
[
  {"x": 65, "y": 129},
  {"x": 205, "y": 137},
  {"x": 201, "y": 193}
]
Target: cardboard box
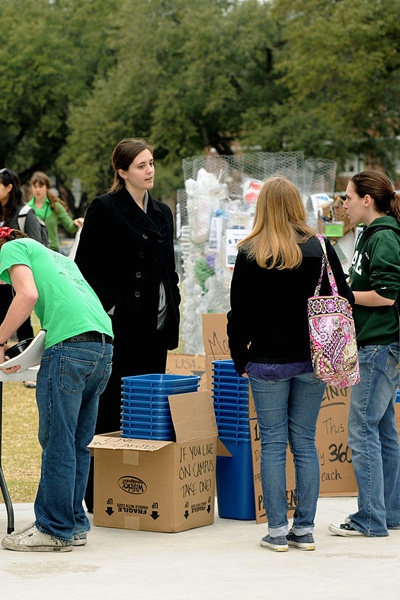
[
  {"x": 160, "y": 486},
  {"x": 188, "y": 364},
  {"x": 215, "y": 340}
]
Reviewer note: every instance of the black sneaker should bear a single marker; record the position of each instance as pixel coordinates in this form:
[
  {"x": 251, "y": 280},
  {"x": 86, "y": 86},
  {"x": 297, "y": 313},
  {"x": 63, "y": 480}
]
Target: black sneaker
[
  {"x": 303, "y": 542},
  {"x": 345, "y": 530}
]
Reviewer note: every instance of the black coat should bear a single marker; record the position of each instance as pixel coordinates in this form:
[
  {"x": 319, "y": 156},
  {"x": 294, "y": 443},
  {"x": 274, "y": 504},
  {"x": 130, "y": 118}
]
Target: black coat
[
  {"x": 124, "y": 254},
  {"x": 268, "y": 320}
]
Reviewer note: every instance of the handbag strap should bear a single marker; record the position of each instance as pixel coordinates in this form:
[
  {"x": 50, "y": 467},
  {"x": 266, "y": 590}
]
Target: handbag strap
[{"x": 325, "y": 263}]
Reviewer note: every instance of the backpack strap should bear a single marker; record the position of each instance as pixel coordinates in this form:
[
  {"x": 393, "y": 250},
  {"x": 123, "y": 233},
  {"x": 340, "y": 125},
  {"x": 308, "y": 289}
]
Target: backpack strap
[{"x": 22, "y": 217}]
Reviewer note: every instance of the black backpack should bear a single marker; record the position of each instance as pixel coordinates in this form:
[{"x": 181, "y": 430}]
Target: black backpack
[{"x": 21, "y": 224}]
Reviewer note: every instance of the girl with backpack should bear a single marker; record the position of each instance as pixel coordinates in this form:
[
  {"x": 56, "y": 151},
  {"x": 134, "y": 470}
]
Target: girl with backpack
[{"x": 51, "y": 209}]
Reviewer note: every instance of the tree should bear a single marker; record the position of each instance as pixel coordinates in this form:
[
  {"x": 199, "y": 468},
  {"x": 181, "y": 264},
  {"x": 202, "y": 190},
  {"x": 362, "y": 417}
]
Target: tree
[
  {"x": 48, "y": 60},
  {"x": 186, "y": 78},
  {"x": 341, "y": 65}
]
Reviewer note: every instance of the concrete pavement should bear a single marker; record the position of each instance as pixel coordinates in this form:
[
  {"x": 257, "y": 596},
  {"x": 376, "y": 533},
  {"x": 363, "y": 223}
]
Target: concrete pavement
[{"x": 216, "y": 562}]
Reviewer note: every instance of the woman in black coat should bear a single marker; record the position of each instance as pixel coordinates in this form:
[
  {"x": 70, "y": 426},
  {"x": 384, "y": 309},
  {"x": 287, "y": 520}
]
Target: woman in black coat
[{"x": 133, "y": 273}]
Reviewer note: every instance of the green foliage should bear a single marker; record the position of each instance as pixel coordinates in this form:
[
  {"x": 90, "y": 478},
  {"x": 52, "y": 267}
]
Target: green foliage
[
  {"x": 77, "y": 76},
  {"x": 188, "y": 79},
  {"x": 340, "y": 64},
  {"x": 48, "y": 61}
]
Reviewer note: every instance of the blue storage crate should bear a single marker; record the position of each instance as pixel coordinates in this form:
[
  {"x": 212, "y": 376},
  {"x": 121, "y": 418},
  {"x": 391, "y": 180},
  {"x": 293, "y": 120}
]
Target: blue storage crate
[
  {"x": 166, "y": 383},
  {"x": 232, "y": 384},
  {"x": 143, "y": 419},
  {"x": 224, "y": 417},
  {"x": 151, "y": 396},
  {"x": 145, "y": 411},
  {"x": 238, "y": 400},
  {"x": 236, "y": 431},
  {"x": 146, "y": 403},
  {"x": 240, "y": 410},
  {"x": 235, "y": 486},
  {"x": 230, "y": 395},
  {"x": 231, "y": 420},
  {"x": 148, "y": 433},
  {"x": 224, "y": 365}
]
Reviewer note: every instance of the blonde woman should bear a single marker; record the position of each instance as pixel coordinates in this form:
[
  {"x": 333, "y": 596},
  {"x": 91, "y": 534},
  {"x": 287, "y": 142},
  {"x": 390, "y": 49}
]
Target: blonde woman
[{"x": 277, "y": 269}]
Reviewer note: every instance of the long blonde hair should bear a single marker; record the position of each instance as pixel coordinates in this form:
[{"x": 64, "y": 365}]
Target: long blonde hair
[{"x": 279, "y": 226}]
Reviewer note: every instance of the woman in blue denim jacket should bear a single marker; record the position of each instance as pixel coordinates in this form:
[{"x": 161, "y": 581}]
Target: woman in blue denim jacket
[{"x": 375, "y": 282}]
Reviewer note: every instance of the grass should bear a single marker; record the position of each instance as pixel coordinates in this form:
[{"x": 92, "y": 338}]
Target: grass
[
  {"x": 20, "y": 448},
  {"x": 21, "y": 451}
]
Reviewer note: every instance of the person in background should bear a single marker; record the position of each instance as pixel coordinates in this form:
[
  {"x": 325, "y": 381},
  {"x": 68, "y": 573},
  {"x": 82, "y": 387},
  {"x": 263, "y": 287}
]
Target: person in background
[
  {"x": 375, "y": 281},
  {"x": 11, "y": 202},
  {"x": 277, "y": 269},
  {"x": 134, "y": 275},
  {"x": 74, "y": 370},
  {"x": 51, "y": 209}
]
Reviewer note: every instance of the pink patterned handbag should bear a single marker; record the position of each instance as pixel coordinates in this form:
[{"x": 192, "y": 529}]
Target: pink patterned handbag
[{"x": 332, "y": 333}]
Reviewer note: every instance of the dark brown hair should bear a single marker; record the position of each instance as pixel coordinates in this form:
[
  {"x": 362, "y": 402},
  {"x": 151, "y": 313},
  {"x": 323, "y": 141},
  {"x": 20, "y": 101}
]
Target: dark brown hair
[
  {"x": 15, "y": 234},
  {"x": 123, "y": 155},
  {"x": 15, "y": 197},
  {"x": 378, "y": 185}
]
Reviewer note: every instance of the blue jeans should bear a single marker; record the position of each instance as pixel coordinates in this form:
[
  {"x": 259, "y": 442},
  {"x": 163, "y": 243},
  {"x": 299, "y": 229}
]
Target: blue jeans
[
  {"x": 71, "y": 377},
  {"x": 374, "y": 440},
  {"x": 287, "y": 411}
]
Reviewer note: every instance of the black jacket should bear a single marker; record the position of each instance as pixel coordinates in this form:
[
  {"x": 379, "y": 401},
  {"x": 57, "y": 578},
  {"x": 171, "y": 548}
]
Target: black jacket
[
  {"x": 124, "y": 254},
  {"x": 269, "y": 307}
]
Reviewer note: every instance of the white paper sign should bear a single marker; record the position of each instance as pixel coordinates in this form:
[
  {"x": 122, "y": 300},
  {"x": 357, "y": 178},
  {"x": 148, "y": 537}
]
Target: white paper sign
[{"x": 233, "y": 237}]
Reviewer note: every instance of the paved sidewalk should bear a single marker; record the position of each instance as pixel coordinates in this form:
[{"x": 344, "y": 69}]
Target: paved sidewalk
[{"x": 218, "y": 562}]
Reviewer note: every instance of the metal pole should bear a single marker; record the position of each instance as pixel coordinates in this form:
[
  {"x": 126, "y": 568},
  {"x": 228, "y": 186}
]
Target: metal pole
[{"x": 3, "y": 484}]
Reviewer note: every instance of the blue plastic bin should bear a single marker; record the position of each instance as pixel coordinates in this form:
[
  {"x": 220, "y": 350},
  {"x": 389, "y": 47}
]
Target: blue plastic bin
[
  {"x": 145, "y": 411},
  {"x": 235, "y": 486}
]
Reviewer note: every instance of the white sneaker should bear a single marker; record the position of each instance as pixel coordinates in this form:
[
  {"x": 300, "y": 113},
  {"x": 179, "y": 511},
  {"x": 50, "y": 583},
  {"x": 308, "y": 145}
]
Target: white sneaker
[
  {"x": 345, "y": 530},
  {"x": 31, "y": 539}
]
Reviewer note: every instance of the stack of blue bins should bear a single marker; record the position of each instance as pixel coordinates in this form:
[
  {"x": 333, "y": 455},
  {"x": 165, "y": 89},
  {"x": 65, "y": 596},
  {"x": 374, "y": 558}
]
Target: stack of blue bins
[
  {"x": 235, "y": 482},
  {"x": 145, "y": 411}
]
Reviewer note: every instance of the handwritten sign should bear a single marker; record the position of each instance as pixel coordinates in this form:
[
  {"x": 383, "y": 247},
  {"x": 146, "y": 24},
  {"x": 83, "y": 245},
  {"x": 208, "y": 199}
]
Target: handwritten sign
[
  {"x": 188, "y": 364},
  {"x": 336, "y": 471}
]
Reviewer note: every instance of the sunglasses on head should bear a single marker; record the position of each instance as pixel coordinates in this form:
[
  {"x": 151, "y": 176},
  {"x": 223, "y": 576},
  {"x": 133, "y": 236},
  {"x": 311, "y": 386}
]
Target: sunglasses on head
[{"x": 7, "y": 173}]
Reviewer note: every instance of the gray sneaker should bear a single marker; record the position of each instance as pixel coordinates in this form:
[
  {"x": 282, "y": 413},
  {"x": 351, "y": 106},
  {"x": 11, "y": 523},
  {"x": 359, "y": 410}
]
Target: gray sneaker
[
  {"x": 303, "y": 542},
  {"x": 80, "y": 539},
  {"x": 33, "y": 540},
  {"x": 278, "y": 544}
]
